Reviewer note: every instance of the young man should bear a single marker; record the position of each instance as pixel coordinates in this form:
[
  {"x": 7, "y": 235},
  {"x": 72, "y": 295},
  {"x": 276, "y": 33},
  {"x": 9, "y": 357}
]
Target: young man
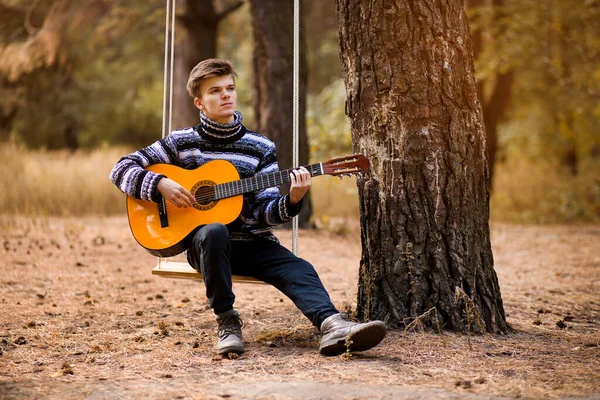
[{"x": 245, "y": 248}]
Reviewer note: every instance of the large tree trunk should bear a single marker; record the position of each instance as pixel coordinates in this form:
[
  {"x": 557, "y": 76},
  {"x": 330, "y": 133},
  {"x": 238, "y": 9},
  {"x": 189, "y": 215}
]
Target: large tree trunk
[
  {"x": 197, "y": 41},
  {"x": 273, "y": 27},
  {"x": 414, "y": 111}
]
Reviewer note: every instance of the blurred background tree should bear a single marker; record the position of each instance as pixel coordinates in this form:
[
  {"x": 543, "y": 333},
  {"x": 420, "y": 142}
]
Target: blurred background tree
[
  {"x": 273, "y": 83},
  {"x": 549, "y": 54},
  {"x": 80, "y": 84},
  {"x": 80, "y": 74},
  {"x": 539, "y": 71},
  {"x": 196, "y": 40}
]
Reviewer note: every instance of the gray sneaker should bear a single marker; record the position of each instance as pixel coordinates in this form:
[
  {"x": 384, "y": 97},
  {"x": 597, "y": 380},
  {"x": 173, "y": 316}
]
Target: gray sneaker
[
  {"x": 341, "y": 334},
  {"x": 230, "y": 333}
]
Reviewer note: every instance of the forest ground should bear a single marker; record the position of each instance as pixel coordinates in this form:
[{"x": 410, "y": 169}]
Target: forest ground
[{"x": 82, "y": 317}]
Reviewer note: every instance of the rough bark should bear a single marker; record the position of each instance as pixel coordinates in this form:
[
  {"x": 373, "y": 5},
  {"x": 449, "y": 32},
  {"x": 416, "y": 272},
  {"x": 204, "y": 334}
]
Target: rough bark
[
  {"x": 414, "y": 111},
  {"x": 273, "y": 29},
  {"x": 196, "y": 41}
]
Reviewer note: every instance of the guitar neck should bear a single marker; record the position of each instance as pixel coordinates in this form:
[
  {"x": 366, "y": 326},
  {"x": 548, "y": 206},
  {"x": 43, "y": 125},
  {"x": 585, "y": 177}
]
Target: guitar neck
[{"x": 259, "y": 182}]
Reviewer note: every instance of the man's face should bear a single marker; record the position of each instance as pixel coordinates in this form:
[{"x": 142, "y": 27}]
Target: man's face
[{"x": 218, "y": 99}]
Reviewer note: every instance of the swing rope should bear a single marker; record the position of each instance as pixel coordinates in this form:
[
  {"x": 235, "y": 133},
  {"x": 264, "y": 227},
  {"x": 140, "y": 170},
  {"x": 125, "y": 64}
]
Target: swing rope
[
  {"x": 295, "y": 128},
  {"x": 167, "y": 116},
  {"x": 168, "y": 68}
]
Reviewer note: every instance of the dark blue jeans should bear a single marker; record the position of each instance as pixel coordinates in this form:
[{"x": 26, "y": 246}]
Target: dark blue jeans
[{"x": 212, "y": 253}]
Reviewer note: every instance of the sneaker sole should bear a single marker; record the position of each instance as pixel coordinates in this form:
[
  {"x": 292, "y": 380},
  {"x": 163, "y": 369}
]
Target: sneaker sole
[
  {"x": 361, "y": 340},
  {"x": 232, "y": 349}
]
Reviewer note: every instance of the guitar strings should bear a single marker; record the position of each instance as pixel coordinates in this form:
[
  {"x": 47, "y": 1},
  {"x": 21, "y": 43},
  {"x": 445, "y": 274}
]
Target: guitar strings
[{"x": 208, "y": 196}]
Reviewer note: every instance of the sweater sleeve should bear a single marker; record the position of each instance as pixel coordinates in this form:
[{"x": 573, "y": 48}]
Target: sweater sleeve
[
  {"x": 270, "y": 207},
  {"x": 130, "y": 176}
]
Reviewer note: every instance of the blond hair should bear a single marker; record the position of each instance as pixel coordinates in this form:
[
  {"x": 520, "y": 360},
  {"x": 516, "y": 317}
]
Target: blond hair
[{"x": 207, "y": 69}]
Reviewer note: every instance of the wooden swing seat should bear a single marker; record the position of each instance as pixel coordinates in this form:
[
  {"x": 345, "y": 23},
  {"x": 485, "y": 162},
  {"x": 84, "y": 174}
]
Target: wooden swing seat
[{"x": 183, "y": 270}]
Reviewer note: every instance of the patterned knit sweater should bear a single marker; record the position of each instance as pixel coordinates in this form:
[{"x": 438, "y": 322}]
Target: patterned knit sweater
[{"x": 189, "y": 148}]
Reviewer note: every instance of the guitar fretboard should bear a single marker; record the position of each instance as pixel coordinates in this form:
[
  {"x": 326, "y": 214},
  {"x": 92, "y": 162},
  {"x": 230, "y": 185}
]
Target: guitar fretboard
[{"x": 259, "y": 182}]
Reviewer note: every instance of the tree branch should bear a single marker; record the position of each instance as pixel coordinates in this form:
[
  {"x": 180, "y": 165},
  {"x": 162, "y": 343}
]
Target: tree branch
[
  {"x": 27, "y": 22},
  {"x": 45, "y": 48}
]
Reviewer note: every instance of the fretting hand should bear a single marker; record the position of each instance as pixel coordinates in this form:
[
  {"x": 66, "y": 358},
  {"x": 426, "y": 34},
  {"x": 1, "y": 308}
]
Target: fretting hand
[
  {"x": 175, "y": 193},
  {"x": 300, "y": 179}
]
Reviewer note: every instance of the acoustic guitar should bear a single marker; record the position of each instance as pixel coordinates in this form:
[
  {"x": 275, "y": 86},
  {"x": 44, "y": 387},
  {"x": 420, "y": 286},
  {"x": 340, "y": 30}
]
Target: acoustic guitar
[{"x": 161, "y": 227}]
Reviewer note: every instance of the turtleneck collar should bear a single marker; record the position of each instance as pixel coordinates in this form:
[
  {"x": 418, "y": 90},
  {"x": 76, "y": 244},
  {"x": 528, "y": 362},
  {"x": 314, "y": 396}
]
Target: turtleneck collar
[{"x": 214, "y": 131}]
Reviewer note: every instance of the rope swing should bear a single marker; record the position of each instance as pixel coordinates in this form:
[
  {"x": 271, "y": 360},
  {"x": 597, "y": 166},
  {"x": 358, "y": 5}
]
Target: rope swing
[
  {"x": 295, "y": 112},
  {"x": 173, "y": 269}
]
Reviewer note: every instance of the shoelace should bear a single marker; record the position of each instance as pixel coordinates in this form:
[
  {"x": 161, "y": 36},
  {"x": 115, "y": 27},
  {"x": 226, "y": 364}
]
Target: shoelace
[{"x": 230, "y": 325}]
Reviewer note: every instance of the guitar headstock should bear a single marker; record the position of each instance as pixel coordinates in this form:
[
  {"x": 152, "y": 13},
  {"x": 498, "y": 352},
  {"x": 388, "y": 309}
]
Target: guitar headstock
[{"x": 346, "y": 166}]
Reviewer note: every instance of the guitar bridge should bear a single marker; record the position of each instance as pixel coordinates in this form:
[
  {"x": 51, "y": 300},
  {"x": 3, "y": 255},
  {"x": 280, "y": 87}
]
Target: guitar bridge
[{"x": 162, "y": 213}]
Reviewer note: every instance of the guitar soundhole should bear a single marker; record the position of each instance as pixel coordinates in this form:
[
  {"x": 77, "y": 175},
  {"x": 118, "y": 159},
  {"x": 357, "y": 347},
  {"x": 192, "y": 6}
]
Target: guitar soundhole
[{"x": 205, "y": 195}]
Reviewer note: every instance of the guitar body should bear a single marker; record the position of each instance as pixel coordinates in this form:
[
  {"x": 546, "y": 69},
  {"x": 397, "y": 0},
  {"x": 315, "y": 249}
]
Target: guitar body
[
  {"x": 165, "y": 241},
  {"x": 218, "y": 189}
]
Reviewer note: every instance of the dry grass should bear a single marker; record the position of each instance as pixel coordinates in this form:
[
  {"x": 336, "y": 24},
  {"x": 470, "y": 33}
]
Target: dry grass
[
  {"x": 527, "y": 192},
  {"x": 334, "y": 200},
  {"x": 62, "y": 183},
  {"x": 58, "y": 182},
  {"x": 66, "y": 184},
  {"x": 82, "y": 314}
]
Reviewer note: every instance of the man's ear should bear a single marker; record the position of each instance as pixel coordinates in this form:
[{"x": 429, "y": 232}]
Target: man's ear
[{"x": 198, "y": 103}]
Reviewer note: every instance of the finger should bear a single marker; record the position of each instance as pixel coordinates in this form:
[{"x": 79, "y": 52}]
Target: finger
[
  {"x": 176, "y": 200},
  {"x": 187, "y": 200},
  {"x": 300, "y": 178},
  {"x": 186, "y": 197},
  {"x": 192, "y": 199},
  {"x": 304, "y": 176}
]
